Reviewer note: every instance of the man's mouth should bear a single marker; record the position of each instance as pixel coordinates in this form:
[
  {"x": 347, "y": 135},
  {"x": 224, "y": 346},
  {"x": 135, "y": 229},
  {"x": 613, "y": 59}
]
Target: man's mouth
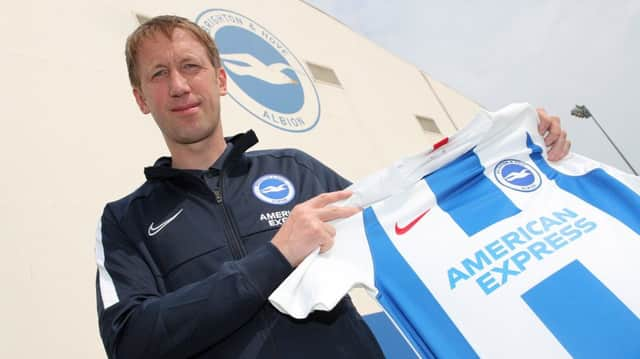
[{"x": 186, "y": 107}]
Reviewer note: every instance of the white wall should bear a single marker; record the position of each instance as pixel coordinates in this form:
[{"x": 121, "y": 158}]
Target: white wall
[{"x": 73, "y": 139}]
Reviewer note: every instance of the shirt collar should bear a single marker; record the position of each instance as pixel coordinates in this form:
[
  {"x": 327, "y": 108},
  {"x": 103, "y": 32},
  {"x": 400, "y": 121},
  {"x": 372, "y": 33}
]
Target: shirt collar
[{"x": 235, "y": 148}]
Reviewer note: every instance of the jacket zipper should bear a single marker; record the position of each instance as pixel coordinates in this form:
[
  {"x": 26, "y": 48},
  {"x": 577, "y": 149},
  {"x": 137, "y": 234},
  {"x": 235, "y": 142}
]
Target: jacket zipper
[
  {"x": 233, "y": 238},
  {"x": 235, "y": 244}
]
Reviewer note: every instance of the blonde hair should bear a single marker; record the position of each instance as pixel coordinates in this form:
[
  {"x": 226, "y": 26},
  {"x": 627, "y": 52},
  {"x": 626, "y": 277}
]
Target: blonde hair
[{"x": 165, "y": 24}]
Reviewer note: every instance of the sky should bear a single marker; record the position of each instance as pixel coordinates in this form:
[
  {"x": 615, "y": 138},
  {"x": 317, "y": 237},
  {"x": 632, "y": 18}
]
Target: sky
[{"x": 552, "y": 54}]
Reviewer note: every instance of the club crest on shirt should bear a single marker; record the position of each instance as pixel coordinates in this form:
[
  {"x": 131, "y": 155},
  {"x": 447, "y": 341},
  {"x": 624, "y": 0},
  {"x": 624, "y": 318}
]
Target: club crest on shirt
[
  {"x": 517, "y": 175},
  {"x": 274, "y": 189}
]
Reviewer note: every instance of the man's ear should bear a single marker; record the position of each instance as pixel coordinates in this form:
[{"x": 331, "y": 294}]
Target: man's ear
[
  {"x": 222, "y": 81},
  {"x": 142, "y": 104}
]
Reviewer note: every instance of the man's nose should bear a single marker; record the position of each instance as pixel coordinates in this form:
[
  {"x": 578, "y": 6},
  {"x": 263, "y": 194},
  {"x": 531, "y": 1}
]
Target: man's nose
[{"x": 178, "y": 84}]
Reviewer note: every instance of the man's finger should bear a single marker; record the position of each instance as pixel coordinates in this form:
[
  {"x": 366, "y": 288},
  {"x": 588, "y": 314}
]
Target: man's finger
[
  {"x": 543, "y": 121},
  {"x": 565, "y": 150},
  {"x": 331, "y": 230},
  {"x": 555, "y": 133},
  {"x": 326, "y": 245},
  {"x": 559, "y": 149},
  {"x": 325, "y": 199},
  {"x": 330, "y": 213}
]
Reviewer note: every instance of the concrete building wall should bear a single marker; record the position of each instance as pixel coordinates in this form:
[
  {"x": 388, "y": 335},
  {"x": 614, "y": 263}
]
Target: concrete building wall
[
  {"x": 74, "y": 139},
  {"x": 459, "y": 109}
]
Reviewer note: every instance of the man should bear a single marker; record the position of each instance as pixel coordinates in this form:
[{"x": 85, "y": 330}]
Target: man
[{"x": 184, "y": 264}]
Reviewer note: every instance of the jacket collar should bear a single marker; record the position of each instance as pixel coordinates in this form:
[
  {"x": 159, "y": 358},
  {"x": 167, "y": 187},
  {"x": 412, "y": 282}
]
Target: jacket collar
[{"x": 236, "y": 147}]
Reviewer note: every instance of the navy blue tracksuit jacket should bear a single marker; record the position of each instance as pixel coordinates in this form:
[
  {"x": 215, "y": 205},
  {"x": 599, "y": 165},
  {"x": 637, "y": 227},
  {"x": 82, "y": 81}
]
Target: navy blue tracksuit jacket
[{"x": 185, "y": 263}]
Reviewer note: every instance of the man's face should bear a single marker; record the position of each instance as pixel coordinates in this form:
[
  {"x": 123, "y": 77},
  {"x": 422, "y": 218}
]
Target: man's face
[{"x": 180, "y": 87}]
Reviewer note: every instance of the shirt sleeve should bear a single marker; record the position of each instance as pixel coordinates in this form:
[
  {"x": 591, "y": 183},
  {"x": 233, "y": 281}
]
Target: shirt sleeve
[
  {"x": 321, "y": 280},
  {"x": 137, "y": 319}
]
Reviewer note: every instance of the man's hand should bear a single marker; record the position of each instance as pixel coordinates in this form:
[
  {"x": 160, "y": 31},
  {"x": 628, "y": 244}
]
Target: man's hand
[
  {"x": 555, "y": 138},
  {"x": 307, "y": 229}
]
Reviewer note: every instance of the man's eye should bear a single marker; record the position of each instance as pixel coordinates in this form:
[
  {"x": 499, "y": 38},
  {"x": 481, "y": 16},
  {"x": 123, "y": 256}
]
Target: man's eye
[
  {"x": 190, "y": 66},
  {"x": 158, "y": 73}
]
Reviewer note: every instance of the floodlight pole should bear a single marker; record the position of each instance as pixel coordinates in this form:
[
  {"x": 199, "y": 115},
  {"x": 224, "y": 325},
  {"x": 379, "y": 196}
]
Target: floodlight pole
[{"x": 582, "y": 111}]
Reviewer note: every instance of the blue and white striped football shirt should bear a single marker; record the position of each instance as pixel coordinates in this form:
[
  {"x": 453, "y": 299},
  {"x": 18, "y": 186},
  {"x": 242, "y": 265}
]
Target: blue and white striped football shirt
[{"x": 482, "y": 248}]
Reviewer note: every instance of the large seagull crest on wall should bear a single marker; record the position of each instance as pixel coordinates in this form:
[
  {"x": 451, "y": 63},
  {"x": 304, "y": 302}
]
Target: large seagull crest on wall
[{"x": 248, "y": 65}]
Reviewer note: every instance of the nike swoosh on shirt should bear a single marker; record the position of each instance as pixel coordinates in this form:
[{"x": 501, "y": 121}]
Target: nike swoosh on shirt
[
  {"x": 405, "y": 229},
  {"x": 155, "y": 230}
]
